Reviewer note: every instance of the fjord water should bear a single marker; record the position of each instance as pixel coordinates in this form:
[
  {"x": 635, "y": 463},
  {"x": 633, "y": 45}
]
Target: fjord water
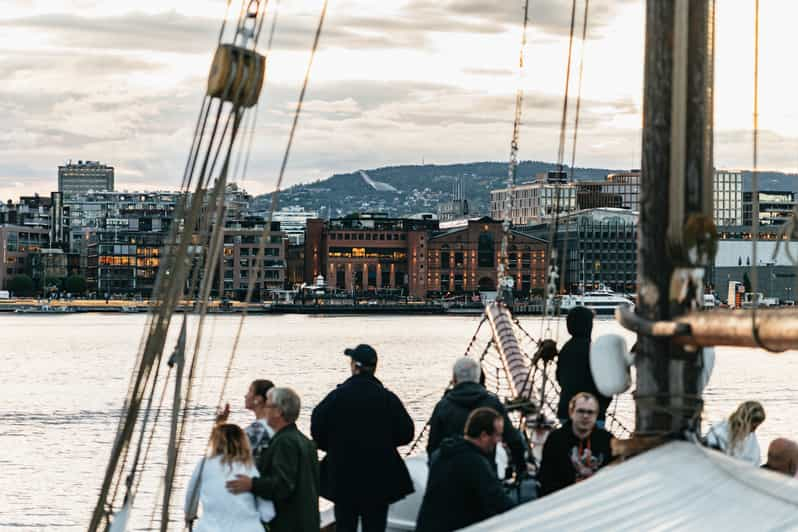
[{"x": 64, "y": 378}]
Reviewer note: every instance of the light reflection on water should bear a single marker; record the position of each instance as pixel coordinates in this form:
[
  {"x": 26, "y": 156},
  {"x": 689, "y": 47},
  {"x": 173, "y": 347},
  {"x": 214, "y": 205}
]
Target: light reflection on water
[{"x": 64, "y": 379}]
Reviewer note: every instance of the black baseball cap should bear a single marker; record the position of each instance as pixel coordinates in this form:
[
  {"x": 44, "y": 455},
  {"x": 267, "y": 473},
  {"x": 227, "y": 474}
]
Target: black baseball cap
[{"x": 363, "y": 355}]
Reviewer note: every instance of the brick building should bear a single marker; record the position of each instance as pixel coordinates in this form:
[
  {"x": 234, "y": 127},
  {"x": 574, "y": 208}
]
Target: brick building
[{"x": 369, "y": 253}]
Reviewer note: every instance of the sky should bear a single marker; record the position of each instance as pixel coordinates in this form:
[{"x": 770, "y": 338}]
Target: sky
[{"x": 394, "y": 82}]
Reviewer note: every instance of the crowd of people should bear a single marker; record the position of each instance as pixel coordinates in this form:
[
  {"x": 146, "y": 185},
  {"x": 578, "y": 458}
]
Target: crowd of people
[{"x": 268, "y": 475}]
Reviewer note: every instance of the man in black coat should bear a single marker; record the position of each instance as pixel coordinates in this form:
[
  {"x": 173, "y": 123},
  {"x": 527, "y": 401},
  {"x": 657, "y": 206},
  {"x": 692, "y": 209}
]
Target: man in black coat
[
  {"x": 573, "y": 364},
  {"x": 462, "y": 487},
  {"x": 450, "y": 414},
  {"x": 360, "y": 424}
]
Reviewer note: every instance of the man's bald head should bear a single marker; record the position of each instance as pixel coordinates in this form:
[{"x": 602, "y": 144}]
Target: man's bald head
[{"x": 783, "y": 456}]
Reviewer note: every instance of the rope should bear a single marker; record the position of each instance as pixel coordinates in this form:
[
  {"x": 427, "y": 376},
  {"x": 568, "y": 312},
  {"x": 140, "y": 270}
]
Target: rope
[
  {"x": 504, "y": 278},
  {"x": 266, "y": 236},
  {"x": 755, "y": 194}
]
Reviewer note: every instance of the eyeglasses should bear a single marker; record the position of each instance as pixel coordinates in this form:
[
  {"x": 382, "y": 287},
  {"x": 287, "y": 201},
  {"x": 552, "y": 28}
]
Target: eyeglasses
[{"x": 583, "y": 412}]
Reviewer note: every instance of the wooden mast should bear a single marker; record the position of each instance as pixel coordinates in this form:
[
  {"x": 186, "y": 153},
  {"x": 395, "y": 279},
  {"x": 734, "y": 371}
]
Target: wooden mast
[{"x": 676, "y": 240}]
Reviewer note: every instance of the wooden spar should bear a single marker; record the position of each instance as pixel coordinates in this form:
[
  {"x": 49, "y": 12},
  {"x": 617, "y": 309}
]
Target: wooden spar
[
  {"x": 675, "y": 189},
  {"x": 506, "y": 343},
  {"x": 777, "y": 328}
]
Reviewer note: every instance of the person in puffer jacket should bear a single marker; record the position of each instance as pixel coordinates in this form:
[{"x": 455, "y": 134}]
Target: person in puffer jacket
[{"x": 450, "y": 414}]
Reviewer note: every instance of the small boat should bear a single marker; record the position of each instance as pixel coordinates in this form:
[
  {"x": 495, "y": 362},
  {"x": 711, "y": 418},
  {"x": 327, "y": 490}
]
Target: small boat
[{"x": 602, "y": 301}]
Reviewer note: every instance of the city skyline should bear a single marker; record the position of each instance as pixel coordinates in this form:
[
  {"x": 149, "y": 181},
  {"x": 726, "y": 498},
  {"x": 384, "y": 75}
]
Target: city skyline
[{"x": 93, "y": 80}]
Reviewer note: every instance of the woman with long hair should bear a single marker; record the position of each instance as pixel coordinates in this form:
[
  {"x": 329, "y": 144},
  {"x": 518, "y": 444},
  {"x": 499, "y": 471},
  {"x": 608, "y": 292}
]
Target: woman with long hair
[
  {"x": 229, "y": 455},
  {"x": 259, "y": 432},
  {"x": 736, "y": 436}
]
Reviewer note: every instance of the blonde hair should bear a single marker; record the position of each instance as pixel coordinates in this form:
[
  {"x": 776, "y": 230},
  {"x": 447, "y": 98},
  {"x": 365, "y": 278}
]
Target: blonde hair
[
  {"x": 743, "y": 421},
  {"x": 581, "y": 395},
  {"x": 231, "y": 443}
]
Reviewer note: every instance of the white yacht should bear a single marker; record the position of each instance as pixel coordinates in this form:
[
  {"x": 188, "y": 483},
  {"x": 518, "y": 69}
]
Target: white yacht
[{"x": 601, "y": 301}]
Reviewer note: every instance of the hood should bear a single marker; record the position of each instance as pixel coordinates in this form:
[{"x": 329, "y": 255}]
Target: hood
[
  {"x": 467, "y": 394},
  {"x": 580, "y": 322}
]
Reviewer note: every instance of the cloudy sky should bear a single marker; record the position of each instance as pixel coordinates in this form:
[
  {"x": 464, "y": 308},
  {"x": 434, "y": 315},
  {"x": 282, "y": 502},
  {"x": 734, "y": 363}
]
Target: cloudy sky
[{"x": 395, "y": 82}]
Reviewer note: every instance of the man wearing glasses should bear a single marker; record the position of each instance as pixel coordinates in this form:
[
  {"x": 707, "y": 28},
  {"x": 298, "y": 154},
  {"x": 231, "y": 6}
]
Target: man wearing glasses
[{"x": 576, "y": 450}]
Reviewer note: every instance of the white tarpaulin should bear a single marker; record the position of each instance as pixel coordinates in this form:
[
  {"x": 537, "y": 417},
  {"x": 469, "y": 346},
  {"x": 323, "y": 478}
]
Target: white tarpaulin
[{"x": 679, "y": 486}]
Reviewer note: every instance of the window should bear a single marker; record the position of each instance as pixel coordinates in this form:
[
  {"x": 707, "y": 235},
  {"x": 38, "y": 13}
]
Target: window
[{"x": 485, "y": 258}]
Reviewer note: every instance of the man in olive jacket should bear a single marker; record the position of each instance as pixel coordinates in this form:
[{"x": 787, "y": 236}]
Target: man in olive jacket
[
  {"x": 289, "y": 468},
  {"x": 360, "y": 424}
]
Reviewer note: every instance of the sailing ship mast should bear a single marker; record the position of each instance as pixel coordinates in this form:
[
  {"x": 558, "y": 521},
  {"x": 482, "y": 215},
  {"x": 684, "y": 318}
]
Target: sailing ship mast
[{"x": 676, "y": 185}]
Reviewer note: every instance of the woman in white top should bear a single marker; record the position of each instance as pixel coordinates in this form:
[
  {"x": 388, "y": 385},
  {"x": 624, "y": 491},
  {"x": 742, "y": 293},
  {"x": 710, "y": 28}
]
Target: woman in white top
[
  {"x": 229, "y": 456},
  {"x": 736, "y": 436}
]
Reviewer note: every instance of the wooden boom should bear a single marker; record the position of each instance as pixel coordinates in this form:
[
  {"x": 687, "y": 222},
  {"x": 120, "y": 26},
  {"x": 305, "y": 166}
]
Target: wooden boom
[{"x": 777, "y": 329}]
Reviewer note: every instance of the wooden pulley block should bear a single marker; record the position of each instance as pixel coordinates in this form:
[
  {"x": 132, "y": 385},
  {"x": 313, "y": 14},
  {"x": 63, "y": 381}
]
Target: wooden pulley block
[{"x": 236, "y": 75}]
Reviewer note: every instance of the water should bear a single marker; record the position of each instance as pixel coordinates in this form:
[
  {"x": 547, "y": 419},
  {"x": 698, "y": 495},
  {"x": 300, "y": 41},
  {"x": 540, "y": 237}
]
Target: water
[{"x": 64, "y": 378}]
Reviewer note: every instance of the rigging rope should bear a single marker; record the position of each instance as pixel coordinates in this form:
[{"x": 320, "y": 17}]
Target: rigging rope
[
  {"x": 503, "y": 276},
  {"x": 266, "y": 235},
  {"x": 554, "y": 274}
]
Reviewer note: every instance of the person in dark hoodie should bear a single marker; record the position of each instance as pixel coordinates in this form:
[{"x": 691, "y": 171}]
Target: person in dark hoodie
[
  {"x": 450, "y": 414},
  {"x": 462, "y": 487},
  {"x": 573, "y": 364},
  {"x": 360, "y": 424}
]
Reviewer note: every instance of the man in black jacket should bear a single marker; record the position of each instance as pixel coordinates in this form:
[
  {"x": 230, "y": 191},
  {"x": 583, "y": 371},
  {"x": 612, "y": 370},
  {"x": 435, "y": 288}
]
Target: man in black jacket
[
  {"x": 576, "y": 450},
  {"x": 360, "y": 424},
  {"x": 462, "y": 487},
  {"x": 573, "y": 364},
  {"x": 450, "y": 414}
]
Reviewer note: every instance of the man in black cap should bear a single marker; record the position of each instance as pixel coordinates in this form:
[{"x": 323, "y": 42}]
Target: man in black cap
[{"x": 359, "y": 425}]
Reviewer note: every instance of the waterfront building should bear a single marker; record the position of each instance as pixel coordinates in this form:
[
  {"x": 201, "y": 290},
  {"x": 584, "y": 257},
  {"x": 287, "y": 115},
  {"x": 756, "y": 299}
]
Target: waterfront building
[
  {"x": 463, "y": 259},
  {"x": 534, "y": 202},
  {"x": 84, "y": 214},
  {"x": 620, "y": 190},
  {"x": 600, "y": 246},
  {"x": 371, "y": 253},
  {"x": 775, "y": 207},
  {"x": 124, "y": 243},
  {"x": 292, "y": 222},
  {"x": 727, "y": 197},
  {"x": 734, "y": 261},
  {"x": 48, "y": 266},
  {"x": 85, "y": 176},
  {"x": 237, "y": 262},
  {"x": 17, "y": 244},
  {"x": 29, "y": 211}
]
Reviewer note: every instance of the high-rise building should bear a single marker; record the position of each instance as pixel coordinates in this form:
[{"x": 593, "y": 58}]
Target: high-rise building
[
  {"x": 85, "y": 176},
  {"x": 728, "y": 197}
]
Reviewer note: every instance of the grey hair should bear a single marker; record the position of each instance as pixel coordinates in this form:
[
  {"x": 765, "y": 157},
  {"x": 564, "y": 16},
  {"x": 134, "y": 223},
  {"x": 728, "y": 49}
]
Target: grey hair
[
  {"x": 466, "y": 370},
  {"x": 287, "y": 401}
]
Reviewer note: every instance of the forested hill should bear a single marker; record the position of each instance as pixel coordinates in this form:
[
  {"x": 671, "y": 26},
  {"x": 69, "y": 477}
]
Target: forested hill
[{"x": 412, "y": 189}]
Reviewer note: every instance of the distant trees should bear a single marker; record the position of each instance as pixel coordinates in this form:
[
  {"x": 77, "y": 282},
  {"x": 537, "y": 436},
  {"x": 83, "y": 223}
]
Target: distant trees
[
  {"x": 75, "y": 284},
  {"x": 20, "y": 285}
]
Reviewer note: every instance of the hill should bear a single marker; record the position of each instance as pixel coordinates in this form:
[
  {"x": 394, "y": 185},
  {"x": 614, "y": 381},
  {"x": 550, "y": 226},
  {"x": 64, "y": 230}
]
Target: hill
[
  {"x": 405, "y": 190},
  {"x": 411, "y": 189}
]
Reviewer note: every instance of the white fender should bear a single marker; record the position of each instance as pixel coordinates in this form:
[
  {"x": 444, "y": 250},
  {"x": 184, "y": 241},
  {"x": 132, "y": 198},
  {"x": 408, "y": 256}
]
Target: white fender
[
  {"x": 709, "y": 364},
  {"x": 609, "y": 364}
]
